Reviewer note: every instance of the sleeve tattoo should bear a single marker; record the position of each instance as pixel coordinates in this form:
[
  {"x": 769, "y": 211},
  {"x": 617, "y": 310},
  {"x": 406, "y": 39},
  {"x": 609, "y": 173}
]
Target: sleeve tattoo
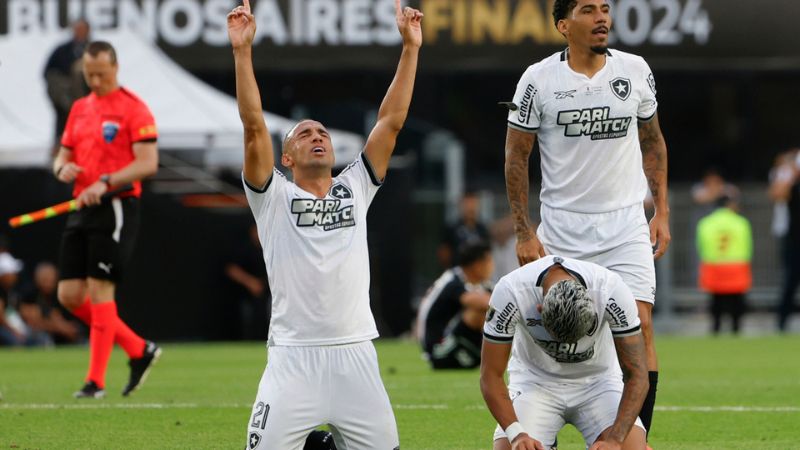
[
  {"x": 518, "y": 151},
  {"x": 631, "y": 355},
  {"x": 654, "y": 157}
]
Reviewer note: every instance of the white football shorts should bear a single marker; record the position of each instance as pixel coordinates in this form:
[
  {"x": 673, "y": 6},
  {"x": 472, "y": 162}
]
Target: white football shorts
[
  {"x": 304, "y": 387},
  {"x": 543, "y": 408},
  {"x": 618, "y": 240}
]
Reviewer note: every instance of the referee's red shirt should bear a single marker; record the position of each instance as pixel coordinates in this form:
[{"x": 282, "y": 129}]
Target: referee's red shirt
[{"x": 101, "y": 132}]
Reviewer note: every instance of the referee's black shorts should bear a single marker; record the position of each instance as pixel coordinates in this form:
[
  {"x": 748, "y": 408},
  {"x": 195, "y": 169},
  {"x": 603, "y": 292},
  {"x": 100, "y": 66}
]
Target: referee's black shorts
[{"x": 99, "y": 240}]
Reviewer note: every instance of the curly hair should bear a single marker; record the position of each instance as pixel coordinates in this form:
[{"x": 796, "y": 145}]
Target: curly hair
[
  {"x": 567, "y": 311},
  {"x": 561, "y": 9}
]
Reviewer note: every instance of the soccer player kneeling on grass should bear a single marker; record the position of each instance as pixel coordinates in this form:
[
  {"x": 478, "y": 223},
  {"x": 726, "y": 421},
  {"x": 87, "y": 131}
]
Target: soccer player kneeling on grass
[
  {"x": 322, "y": 365},
  {"x": 564, "y": 369}
]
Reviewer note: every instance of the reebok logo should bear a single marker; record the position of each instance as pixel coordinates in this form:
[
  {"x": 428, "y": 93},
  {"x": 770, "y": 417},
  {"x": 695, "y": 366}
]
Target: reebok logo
[
  {"x": 593, "y": 122},
  {"x": 534, "y": 322},
  {"x": 322, "y": 212},
  {"x": 561, "y": 95}
]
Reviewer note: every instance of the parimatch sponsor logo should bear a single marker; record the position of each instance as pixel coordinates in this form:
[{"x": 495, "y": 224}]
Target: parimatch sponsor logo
[
  {"x": 322, "y": 212},
  {"x": 593, "y": 122},
  {"x": 565, "y": 352}
]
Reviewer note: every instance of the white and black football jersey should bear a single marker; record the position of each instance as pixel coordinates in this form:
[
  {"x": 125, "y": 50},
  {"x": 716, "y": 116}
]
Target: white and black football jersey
[
  {"x": 440, "y": 306},
  {"x": 513, "y": 317},
  {"x": 315, "y": 250},
  {"x": 587, "y": 130}
]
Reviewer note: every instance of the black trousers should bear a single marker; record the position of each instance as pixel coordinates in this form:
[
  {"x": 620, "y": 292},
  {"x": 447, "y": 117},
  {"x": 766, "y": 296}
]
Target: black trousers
[
  {"x": 791, "y": 278},
  {"x": 731, "y": 304}
]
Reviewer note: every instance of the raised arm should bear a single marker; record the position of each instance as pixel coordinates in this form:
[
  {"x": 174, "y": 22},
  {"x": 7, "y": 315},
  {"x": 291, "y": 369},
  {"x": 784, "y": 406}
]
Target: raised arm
[
  {"x": 654, "y": 160},
  {"x": 630, "y": 352},
  {"x": 258, "y": 157},
  {"x": 394, "y": 108},
  {"x": 518, "y": 151}
]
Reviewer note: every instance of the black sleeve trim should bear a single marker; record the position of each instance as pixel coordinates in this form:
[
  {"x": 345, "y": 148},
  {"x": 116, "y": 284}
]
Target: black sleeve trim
[
  {"x": 372, "y": 176},
  {"x": 147, "y": 140},
  {"x": 523, "y": 128},
  {"x": 647, "y": 119},
  {"x": 501, "y": 339},
  {"x": 259, "y": 190},
  {"x": 627, "y": 332}
]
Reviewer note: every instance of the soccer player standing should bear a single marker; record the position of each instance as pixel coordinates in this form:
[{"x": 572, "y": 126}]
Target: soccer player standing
[
  {"x": 322, "y": 364},
  {"x": 594, "y": 112},
  {"x": 109, "y": 140}
]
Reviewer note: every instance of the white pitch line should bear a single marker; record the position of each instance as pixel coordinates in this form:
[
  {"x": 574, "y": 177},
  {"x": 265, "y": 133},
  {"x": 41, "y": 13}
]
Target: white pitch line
[{"x": 412, "y": 407}]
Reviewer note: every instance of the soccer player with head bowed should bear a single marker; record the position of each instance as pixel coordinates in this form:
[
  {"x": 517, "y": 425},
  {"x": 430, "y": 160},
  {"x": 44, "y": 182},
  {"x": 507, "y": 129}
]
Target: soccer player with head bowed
[
  {"x": 570, "y": 322},
  {"x": 322, "y": 365},
  {"x": 594, "y": 113}
]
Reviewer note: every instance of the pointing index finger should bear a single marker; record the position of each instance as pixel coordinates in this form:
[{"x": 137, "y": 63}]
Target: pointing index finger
[{"x": 247, "y": 6}]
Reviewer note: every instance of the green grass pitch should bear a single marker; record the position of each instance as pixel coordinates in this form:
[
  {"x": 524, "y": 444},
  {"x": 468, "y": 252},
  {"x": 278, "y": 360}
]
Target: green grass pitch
[{"x": 714, "y": 393}]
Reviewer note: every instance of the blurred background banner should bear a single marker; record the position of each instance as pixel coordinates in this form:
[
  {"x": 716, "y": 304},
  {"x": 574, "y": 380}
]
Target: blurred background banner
[
  {"x": 484, "y": 35},
  {"x": 190, "y": 114}
]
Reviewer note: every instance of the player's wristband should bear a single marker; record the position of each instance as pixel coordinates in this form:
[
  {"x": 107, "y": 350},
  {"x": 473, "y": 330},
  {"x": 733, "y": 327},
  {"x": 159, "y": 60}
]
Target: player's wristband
[{"x": 514, "y": 430}]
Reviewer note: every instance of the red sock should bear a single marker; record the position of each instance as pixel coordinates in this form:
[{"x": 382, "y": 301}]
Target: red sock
[
  {"x": 124, "y": 337},
  {"x": 101, "y": 340},
  {"x": 131, "y": 342}
]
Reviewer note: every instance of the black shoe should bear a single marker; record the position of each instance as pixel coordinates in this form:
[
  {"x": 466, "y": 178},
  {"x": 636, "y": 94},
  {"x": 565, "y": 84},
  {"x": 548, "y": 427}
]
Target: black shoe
[
  {"x": 90, "y": 390},
  {"x": 319, "y": 440},
  {"x": 141, "y": 366}
]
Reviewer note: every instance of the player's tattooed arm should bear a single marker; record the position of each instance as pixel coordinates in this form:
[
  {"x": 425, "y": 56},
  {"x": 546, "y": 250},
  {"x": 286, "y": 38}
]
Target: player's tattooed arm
[
  {"x": 632, "y": 361},
  {"x": 518, "y": 151},
  {"x": 654, "y": 161},
  {"x": 654, "y": 156}
]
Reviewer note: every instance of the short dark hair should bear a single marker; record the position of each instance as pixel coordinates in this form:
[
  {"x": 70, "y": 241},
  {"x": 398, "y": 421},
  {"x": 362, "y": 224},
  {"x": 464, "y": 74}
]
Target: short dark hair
[
  {"x": 471, "y": 252},
  {"x": 561, "y": 9},
  {"x": 96, "y": 47}
]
